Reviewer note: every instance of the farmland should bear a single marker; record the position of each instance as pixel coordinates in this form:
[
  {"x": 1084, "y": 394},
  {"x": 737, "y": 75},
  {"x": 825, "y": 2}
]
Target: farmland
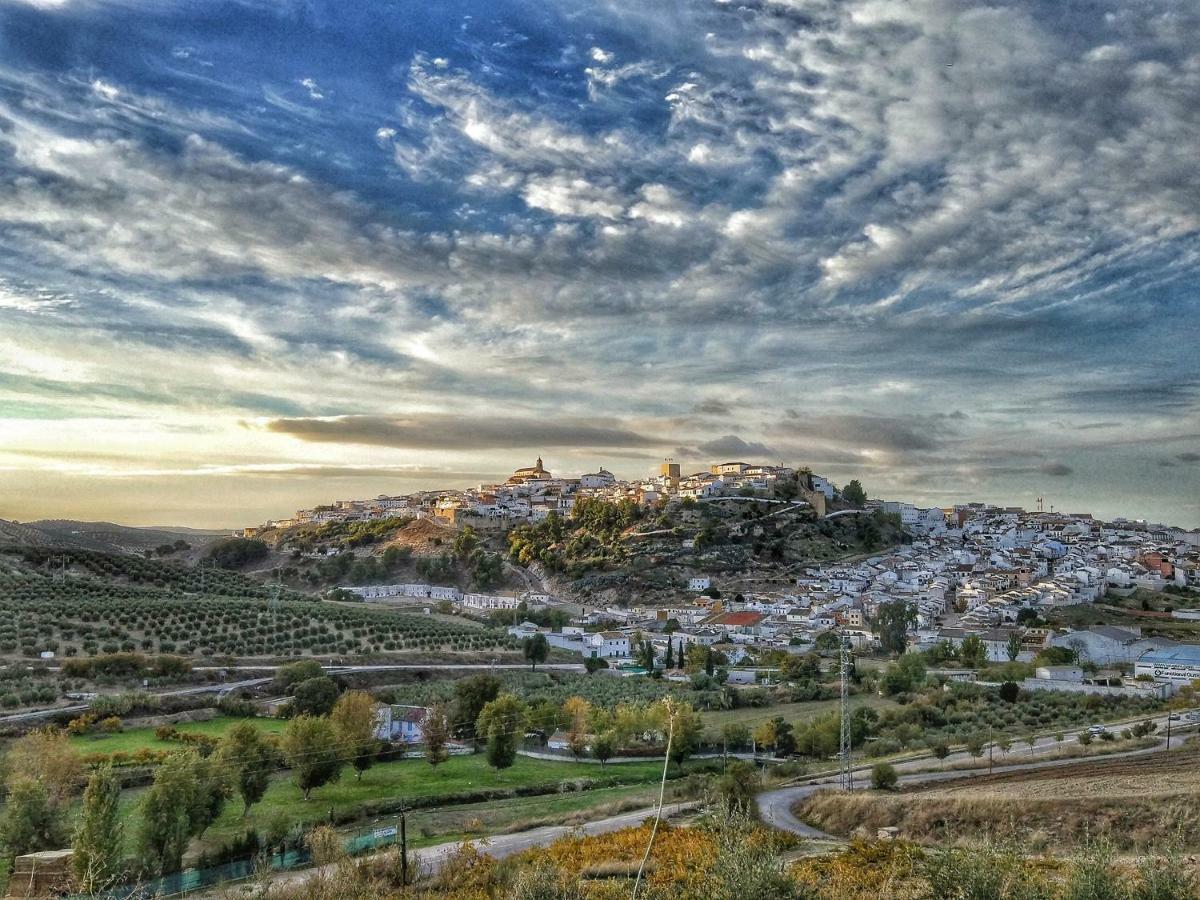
[
  {"x": 134, "y": 739},
  {"x": 124, "y": 568},
  {"x": 85, "y": 615},
  {"x": 792, "y": 712},
  {"x": 553, "y": 687}
]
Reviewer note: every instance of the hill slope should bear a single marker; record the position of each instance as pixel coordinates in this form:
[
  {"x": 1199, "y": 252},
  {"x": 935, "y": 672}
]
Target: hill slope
[{"x": 110, "y": 537}]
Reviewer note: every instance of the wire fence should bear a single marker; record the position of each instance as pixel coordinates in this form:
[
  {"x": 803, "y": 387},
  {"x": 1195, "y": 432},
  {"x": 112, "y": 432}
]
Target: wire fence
[{"x": 191, "y": 880}]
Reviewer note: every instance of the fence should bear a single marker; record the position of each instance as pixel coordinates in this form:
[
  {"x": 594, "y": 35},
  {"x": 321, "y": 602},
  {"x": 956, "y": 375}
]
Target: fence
[{"x": 238, "y": 870}]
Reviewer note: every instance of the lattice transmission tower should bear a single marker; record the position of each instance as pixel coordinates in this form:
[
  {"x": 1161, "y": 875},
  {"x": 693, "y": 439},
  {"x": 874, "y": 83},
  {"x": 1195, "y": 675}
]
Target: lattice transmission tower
[{"x": 845, "y": 660}]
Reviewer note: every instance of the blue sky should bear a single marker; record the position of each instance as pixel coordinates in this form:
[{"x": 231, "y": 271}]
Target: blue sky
[{"x": 258, "y": 255}]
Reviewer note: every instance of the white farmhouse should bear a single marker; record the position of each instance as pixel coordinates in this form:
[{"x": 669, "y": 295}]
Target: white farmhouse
[{"x": 607, "y": 645}]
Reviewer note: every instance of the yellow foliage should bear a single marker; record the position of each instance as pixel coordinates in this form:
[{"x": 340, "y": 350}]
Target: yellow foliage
[
  {"x": 878, "y": 869},
  {"x": 468, "y": 874}
]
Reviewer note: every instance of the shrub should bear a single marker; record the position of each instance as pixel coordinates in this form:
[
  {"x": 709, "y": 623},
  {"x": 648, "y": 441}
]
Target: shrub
[{"x": 883, "y": 777}]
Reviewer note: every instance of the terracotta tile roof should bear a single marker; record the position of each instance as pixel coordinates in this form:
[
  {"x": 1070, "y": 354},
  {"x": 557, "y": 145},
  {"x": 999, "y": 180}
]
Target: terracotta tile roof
[{"x": 736, "y": 619}]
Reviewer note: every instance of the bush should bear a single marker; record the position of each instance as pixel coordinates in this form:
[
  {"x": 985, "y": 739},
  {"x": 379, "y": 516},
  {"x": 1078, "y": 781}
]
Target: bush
[
  {"x": 883, "y": 777},
  {"x": 233, "y": 553},
  {"x": 989, "y": 873},
  {"x": 239, "y": 707}
]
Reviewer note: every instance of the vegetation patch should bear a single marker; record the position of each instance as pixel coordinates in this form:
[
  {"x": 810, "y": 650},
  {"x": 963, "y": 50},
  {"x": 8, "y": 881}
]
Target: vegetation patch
[{"x": 1131, "y": 804}]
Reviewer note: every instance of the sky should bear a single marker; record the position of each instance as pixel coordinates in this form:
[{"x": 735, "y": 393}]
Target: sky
[{"x": 260, "y": 255}]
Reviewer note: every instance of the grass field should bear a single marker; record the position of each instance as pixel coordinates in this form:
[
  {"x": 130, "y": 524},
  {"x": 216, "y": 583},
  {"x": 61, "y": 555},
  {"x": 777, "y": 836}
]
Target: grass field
[
  {"x": 414, "y": 780},
  {"x": 792, "y": 712},
  {"x": 135, "y": 738}
]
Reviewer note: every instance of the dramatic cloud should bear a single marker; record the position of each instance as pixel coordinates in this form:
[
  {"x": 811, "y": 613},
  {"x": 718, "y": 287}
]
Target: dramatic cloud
[
  {"x": 436, "y": 432},
  {"x": 878, "y": 432},
  {"x": 945, "y": 246},
  {"x": 1057, "y": 470},
  {"x": 732, "y": 447}
]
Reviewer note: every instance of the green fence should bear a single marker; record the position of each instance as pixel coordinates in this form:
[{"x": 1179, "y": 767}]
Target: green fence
[{"x": 197, "y": 879}]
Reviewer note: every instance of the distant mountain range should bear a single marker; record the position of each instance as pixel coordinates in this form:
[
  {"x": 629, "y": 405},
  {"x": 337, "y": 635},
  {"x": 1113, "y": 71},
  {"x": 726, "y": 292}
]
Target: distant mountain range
[{"x": 104, "y": 536}]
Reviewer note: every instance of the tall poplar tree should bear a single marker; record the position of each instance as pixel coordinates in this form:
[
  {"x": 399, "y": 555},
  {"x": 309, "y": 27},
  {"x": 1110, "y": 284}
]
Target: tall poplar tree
[{"x": 100, "y": 834}]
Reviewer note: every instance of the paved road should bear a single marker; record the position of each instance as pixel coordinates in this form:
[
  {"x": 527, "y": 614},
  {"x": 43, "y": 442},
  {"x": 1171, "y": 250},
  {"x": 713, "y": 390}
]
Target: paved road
[
  {"x": 776, "y": 806},
  {"x": 388, "y": 667}
]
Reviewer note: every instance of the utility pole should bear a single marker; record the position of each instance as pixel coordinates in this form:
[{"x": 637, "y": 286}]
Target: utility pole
[
  {"x": 1169, "y": 729},
  {"x": 847, "y": 772},
  {"x": 275, "y": 589},
  {"x": 403, "y": 851}
]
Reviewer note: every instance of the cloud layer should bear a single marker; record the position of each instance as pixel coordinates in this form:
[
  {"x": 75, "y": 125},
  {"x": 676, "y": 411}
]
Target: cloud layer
[{"x": 949, "y": 248}]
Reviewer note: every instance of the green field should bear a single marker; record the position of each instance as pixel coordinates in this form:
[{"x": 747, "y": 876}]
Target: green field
[
  {"x": 416, "y": 780},
  {"x": 135, "y": 738},
  {"x": 412, "y": 780}
]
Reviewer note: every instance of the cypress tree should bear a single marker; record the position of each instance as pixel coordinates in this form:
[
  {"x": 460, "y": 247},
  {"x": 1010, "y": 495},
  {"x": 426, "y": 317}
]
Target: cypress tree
[{"x": 100, "y": 835}]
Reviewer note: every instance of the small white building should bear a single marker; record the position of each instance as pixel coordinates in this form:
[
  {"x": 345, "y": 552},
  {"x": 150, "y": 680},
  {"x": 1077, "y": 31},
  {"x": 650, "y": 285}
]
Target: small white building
[
  {"x": 607, "y": 645},
  {"x": 490, "y": 601},
  {"x": 596, "y": 480},
  {"x": 400, "y": 724}
]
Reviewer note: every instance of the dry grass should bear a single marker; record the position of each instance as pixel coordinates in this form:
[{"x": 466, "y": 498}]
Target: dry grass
[{"x": 1130, "y": 803}]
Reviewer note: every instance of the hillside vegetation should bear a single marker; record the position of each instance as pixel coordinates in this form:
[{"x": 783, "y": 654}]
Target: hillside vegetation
[
  {"x": 103, "y": 536},
  {"x": 1131, "y": 803},
  {"x": 609, "y": 552},
  {"x": 600, "y": 552}
]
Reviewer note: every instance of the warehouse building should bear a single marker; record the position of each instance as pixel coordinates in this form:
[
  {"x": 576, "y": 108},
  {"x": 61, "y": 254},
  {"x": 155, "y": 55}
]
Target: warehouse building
[{"x": 1175, "y": 665}]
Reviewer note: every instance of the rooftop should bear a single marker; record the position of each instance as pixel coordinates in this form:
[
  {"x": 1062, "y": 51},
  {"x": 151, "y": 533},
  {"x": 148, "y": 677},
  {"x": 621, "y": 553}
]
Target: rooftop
[{"x": 1187, "y": 654}]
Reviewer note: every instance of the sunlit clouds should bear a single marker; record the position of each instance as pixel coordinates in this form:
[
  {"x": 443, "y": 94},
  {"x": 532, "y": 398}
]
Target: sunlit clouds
[{"x": 255, "y": 256}]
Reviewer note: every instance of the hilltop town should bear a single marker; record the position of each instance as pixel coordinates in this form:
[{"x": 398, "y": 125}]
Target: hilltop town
[
  {"x": 532, "y": 493},
  {"x": 1019, "y": 582}
]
